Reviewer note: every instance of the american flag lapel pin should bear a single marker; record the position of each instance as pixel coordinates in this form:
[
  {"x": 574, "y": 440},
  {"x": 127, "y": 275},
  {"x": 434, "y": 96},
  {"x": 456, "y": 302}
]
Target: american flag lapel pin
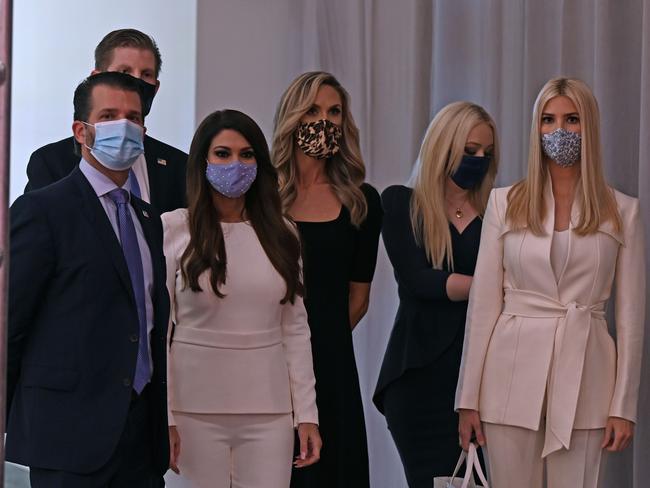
[{"x": 162, "y": 162}]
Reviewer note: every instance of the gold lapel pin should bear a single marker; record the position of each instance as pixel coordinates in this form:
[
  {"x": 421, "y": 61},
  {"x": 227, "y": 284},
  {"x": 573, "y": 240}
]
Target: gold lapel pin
[{"x": 162, "y": 162}]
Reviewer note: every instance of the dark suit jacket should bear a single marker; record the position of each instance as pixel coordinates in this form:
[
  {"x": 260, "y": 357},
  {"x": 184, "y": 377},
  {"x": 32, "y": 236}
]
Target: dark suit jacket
[
  {"x": 427, "y": 322},
  {"x": 72, "y": 320},
  {"x": 54, "y": 161}
]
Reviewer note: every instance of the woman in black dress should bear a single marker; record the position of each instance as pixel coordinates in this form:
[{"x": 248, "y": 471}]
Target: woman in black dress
[
  {"x": 431, "y": 233},
  {"x": 321, "y": 176}
]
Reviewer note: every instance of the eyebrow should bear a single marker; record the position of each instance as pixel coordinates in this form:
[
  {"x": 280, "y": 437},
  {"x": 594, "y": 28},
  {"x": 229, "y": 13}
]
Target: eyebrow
[{"x": 247, "y": 148}]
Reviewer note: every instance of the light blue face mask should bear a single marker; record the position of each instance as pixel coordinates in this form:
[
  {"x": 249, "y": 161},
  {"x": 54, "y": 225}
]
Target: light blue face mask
[{"x": 118, "y": 143}]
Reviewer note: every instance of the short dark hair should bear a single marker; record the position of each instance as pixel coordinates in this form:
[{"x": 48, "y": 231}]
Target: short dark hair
[
  {"x": 84, "y": 93},
  {"x": 125, "y": 38}
]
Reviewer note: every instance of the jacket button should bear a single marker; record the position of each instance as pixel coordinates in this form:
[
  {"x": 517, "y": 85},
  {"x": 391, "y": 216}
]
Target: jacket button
[
  {"x": 134, "y": 338},
  {"x": 126, "y": 382}
]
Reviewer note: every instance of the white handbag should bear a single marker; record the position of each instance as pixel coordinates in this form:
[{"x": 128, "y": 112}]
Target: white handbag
[{"x": 467, "y": 481}]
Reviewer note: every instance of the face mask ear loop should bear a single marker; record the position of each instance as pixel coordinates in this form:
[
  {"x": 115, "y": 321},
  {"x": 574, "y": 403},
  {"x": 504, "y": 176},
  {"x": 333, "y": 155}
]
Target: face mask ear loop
[{"x": 89, "y": 125}]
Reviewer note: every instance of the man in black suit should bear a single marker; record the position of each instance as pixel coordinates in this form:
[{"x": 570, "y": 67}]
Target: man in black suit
[
  {"x": 160, "y": 172},
  {"x": 88, "y": 311}
]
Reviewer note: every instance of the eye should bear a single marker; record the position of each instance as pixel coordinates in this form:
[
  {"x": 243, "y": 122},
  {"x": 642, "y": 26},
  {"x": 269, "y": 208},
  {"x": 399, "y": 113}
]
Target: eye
[
  {"x": 222, "y": 153},
  {"x": 312, "y": 111},
  {"x": 573, "y": 119},
  {"x": 247, "y": 155},
  {"x": 135, "y": 118},
  {"x": 147, "y": 75},
  {"x": 335, "y": 111},
  {"x": 547, "y": 119},
  {"x": 126, "y": 70},
  {"x": 470, "y": 151}
]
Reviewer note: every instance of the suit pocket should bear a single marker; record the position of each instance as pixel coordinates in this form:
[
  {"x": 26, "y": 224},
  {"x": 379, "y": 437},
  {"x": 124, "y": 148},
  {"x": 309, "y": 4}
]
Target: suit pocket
[{"x": 49, "y": 378}]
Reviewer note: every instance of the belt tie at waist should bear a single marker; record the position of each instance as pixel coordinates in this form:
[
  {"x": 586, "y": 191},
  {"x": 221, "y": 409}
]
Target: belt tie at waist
[{"x": 568, "y": 361}]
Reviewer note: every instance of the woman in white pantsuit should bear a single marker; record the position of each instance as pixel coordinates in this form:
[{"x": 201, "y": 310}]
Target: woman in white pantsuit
[
  {"x": 240, "y": 374},
  {"x": 542, "y": 382}
]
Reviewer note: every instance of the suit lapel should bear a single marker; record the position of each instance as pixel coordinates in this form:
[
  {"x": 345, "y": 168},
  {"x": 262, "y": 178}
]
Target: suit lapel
[
  {"x": 145, "y": 219},
  {"x": 96, "y": 216}
]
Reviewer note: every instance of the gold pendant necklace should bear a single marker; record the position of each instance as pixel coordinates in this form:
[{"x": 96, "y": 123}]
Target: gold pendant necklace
[{"x": 459, "y": 210}]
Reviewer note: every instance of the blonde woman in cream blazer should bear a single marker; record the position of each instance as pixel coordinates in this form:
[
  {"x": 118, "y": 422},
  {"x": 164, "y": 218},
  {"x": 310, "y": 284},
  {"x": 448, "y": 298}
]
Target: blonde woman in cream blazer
[
  {"x": 540, "y": 370},
  {"x": 240, "y": 374}
]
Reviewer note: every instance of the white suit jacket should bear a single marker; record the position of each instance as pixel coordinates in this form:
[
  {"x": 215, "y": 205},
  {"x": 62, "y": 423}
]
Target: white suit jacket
[{"x": 532, "y": 341}]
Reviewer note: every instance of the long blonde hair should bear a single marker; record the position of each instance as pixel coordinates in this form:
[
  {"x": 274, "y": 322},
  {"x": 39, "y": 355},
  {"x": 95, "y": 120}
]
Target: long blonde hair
[
  {"x": 345, "y": 170},
  {"x": 440, "y": 155},
  {"x": 526, "y": 206}
]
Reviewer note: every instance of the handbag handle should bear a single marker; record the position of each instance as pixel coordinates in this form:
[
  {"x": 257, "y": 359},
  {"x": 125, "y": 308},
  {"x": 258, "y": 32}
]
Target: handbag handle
[
  {"x": 463, "y": 456},
  {"x": 478, "y": 469},
  {"x": 473, "y": 463}
]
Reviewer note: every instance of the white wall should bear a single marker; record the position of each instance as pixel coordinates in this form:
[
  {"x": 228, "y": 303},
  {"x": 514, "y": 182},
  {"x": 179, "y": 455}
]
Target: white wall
[{"x": 53, "y": 47}]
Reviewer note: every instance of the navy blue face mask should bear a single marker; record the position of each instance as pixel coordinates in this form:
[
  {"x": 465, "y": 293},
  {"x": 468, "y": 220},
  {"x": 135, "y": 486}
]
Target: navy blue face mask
[{"x": 471, "y": 171}]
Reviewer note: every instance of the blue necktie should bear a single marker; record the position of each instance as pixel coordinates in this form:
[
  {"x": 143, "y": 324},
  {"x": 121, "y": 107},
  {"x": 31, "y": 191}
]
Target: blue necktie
[
  {"x": 131, "y": 250},
  {"x": 135, "y": 186}
]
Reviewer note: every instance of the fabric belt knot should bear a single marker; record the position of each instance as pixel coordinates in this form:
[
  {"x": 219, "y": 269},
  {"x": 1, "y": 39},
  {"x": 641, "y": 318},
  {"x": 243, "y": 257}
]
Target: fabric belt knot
[
  {"x": 133, "y": 258},
  {"x": 571, "y": 336}
]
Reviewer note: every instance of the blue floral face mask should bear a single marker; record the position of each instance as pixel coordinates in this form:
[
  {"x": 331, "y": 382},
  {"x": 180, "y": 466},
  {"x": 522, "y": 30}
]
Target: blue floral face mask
[
  {"x": 562, "y": 146},
  {"x": 118, "y": 143},
  {"x": 232, "y": 179}
]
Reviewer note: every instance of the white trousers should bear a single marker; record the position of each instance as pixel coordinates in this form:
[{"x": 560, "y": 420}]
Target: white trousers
[
  {"x": 514, "y": 458},
  {"x": 233, "y": 450}
]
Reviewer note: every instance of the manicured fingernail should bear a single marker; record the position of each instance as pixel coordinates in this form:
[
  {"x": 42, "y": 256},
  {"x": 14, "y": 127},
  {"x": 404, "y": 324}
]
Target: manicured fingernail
[{"x": 303, "y": 456}]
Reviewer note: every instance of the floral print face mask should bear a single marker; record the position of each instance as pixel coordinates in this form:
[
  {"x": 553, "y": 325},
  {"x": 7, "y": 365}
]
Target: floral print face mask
[{"x": 562, "y": 146}]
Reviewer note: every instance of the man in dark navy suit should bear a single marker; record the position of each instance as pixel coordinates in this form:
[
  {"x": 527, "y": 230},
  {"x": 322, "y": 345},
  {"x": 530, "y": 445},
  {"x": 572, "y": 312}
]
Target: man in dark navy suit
[
  {"x": 88, "y": 311},
  {"x": 158, "y": 176}
]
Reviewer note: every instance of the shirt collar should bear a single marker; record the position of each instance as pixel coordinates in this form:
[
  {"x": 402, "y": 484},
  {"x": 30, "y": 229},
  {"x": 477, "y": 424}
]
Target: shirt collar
[{"x": 101, "y": 183}]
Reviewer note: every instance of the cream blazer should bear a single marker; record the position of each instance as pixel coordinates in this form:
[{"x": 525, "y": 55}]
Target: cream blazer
[
  {"x": 534, "y": 343},
  {"x": 246, "y": 352}
]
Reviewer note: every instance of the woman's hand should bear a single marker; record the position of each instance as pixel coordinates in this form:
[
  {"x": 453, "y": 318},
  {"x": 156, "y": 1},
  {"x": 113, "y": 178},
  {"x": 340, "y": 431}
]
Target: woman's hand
[
  {"x": 618, "y": 434},
  {"x": 469, "y": 422},
  {"x": 458, "y": 286},
  {"x": 310, "y": 444},
  {"x": 174, "y": 448}
]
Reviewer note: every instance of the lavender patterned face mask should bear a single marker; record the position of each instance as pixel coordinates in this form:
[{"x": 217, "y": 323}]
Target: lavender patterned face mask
[
  {"x": 232, "y": 179},
  {"x": 562, "y": 146}
]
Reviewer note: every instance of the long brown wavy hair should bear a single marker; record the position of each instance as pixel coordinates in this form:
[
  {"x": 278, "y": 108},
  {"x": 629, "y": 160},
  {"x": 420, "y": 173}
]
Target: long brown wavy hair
[
  {"x": 345, "y": 169},
  {"x": 206, "y": 249}
]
